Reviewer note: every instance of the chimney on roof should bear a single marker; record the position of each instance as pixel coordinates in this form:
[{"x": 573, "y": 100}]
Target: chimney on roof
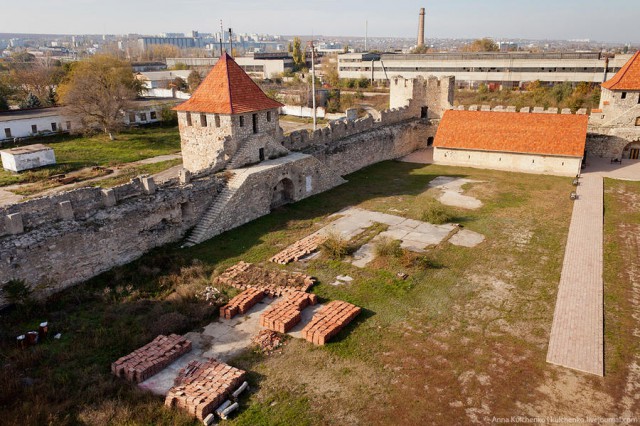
[{"x": 421, "y": 28}]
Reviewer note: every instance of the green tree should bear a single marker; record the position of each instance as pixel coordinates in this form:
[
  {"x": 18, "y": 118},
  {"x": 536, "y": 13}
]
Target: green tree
[
  {"x": 194, "y": 80},
  {"x": 31, "y": 101},
  {"x": 299, "y": 60},
  {"x": 178, "y": 83},
  {"x": 98, "y": 91},
  {"x": 4, "y": 104},
  {"x": 330, "y": 68}
]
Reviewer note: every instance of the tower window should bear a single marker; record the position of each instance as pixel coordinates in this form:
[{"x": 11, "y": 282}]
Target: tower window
[
  {"x": 254, "y": 119},
  {"x": 217, "y": 120},
  {"x": 241, "y": 121},
  {"x": 269, "y": 115},
  {"x": 189, "y": 119},
  {"x": 203, "y": 120},
  {"x": 624, "y": 95}
]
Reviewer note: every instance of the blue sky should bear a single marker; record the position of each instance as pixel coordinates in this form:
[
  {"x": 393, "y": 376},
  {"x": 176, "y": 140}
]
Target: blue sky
[{"x": 604, "y": 20}]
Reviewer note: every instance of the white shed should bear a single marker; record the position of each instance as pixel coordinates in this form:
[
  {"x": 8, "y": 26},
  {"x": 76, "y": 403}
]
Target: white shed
[{"x": 27, "y": 157}]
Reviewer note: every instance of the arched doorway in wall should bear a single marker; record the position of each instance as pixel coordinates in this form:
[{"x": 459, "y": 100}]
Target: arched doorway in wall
[
  {"x": 282, "y": 193},
  {"x": 632, "y": 151}
]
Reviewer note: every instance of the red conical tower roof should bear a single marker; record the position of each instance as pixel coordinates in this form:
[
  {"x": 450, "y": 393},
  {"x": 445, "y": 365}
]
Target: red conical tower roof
[
  {"x": 227, "y": 89},
  {"x": 628, "y": 78}
]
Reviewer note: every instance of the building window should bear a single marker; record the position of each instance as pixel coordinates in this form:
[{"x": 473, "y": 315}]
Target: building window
[
  {"x": 254, "y": 118},
  {"x": 624, "y": 95},
  {"x": 153, "y": 115},
  {"x": 637, "y": 123},
  {"x": 241, "y": 121},
  {"x": 203, "y": 120},
  {"x": 54, "y": 127},
  {"x": 143, "y": 116},
  {"x": 639, "y": 98},
  {"x": 269, "y": 116},
  {"x": 217, "y": 120},
  {"x": 7, "y": 132},
  {"x": 68, "y": 125},
  {"x": 189, "y": 119},
  {"x": 34, "y": 128},
  {"x": 132, "y": 117}
]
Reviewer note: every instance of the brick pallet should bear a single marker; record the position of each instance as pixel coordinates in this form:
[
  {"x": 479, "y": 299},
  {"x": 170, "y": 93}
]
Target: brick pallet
[
  {"x": 241, "y": 303},
  {"x": 152, "y": 358},
  {"x": 284, "y": 315},
  {"x": 328, "y": 321},
  {"x": 201, "y": 387},
  {"x": 299, "y": 249},
  {"x": 245, "y": 275}
]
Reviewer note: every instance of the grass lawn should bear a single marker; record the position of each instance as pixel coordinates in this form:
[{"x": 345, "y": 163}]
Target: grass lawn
[
  {"x": 462, "y": 338},
  {"x": 75, "y": 152}
]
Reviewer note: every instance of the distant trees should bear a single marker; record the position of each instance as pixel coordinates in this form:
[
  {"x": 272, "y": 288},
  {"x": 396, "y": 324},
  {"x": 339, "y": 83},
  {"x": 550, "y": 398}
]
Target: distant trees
[
  {"x": 31, "y": 101},
  {"x": 481, "y": 45},
  {"x": 299, "y": 60},
  {"x": 97, "y": 92}
]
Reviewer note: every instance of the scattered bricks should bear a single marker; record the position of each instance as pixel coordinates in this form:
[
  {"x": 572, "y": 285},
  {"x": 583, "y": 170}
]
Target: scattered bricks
[
  {"x": 268, "y": 341},
  {"x": 328, "y": 321},
  {"x": 299, "y": 249},
  {"x": 202, "y": 387},
  {"x": 242, "y": 303},
  {"x": 152, "y": 358},
  {"x": 273, "y": 283}
]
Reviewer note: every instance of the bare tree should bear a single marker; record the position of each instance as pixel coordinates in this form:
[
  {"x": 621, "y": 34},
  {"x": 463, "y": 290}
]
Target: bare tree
[{"x": 98, "y": 91}]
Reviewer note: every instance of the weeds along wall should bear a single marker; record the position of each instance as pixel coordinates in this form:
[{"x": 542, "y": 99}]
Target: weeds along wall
[{"x": 54, "y": 242}]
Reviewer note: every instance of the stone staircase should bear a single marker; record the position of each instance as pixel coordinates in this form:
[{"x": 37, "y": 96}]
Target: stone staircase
[
  {"x": 241, "y": 153},
  {"x": 211, "y": 216}
]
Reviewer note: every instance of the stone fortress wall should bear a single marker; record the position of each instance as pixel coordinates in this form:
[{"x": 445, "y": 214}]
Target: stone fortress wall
[{"x": 57, "y": 241}]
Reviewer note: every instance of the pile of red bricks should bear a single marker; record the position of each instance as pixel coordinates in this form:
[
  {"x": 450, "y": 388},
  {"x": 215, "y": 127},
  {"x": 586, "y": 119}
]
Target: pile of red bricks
[
  {"x": 241, "y": 303},
  {"x": 274, "y": 283},
  {"x": 284, "y": 315},
  {"x": 299, "y": 249},
  {"x": 328, "y": 321},
  {"x": 201, "y": 387},
  {"x": 152, "y": 358}
]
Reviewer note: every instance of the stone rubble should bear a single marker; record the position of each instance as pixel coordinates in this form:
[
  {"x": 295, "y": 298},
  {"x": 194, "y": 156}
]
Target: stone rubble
[
  {"x": 242, "y": 303},
  {"x": 203, "y": 386},
  {"x": 328, "y": 321},
  {"x": 299, "y": 249},
  {"x": 245, "y": 275},
  {"x": 150, "y": 359},
  {"x": 284, "y": 315},
  {"x": 268, "y": 341}
]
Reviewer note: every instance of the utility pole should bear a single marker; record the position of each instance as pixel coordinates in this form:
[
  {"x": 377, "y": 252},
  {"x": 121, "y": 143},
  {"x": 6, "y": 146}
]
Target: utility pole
[{"x": 313, "y": 82}]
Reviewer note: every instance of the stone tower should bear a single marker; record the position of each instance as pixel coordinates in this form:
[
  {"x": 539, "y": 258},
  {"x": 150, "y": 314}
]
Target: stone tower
[{"x": 228, "y": 121}]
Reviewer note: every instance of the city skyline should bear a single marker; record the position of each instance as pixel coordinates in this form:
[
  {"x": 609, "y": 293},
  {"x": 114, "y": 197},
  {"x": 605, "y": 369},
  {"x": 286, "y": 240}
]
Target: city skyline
[{"x": 451, "y": 19}]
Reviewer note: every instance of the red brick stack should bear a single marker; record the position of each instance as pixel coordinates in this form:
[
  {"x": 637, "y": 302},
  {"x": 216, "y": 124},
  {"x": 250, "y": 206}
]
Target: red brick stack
[
  {"x": 241, "y": 303},
  {"x": 201, "y": 387},
  {"x": 328, "y": 321},
  {"x": 284, "y": 315},
  {"x": 152, "y": 358},
  {"x": 273, "y": 282},
  {"x": 299, "y": 249}
]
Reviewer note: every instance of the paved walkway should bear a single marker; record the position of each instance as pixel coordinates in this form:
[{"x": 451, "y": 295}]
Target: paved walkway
[
  {"x": 421, "y": 156},
  {"x": 576, "y": 339}
]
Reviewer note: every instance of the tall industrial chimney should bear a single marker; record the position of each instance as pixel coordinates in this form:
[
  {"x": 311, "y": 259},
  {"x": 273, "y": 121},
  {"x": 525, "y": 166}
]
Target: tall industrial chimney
[{"x": 421, "y": 28}]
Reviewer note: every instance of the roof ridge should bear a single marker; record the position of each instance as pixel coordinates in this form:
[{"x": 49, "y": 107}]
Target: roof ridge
[
  {"x": 619, "y": 76},
  {"x": 226, "y": 63}
]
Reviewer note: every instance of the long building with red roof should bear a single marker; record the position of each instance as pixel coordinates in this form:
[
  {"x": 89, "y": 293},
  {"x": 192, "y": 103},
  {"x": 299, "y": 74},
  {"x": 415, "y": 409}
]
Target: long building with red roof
[{"x": 520, "y": 142}]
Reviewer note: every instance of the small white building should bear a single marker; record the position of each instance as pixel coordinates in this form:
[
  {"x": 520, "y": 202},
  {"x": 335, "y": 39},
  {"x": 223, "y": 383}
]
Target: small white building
[
  {"x": 27, "y": 157},
  {"x": 514, "y": 141}
]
